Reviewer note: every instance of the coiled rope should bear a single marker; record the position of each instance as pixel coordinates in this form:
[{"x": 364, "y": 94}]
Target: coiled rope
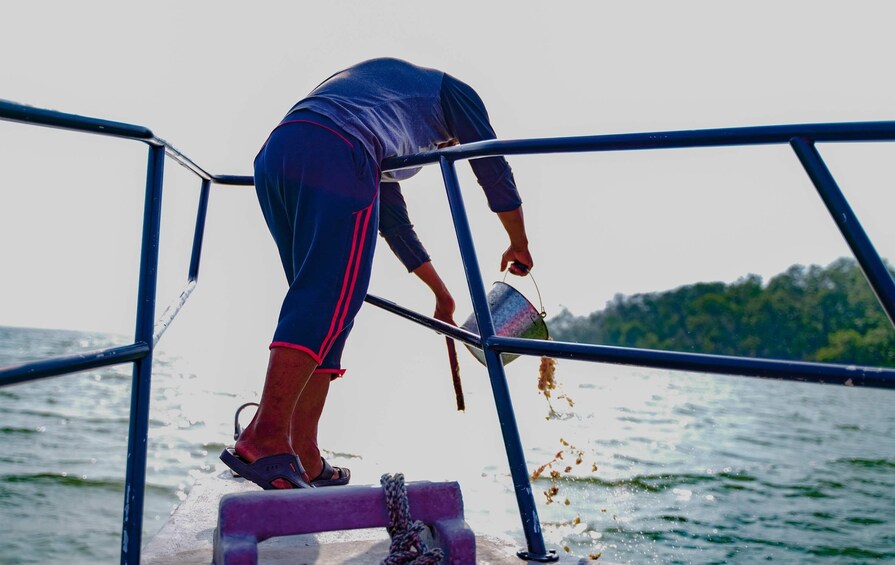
[{"x": 407, "y": 548}]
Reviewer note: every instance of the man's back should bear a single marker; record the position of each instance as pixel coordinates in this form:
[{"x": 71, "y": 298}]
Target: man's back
[{"x": 391, "y": 106}]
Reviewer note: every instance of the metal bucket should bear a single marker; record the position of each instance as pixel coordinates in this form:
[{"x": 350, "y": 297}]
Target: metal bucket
[{"x": 513, "y": 316}]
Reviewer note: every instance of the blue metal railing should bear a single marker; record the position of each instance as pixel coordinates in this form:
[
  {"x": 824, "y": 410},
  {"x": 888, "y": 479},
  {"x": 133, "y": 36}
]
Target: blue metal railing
[
  {"x": 494, "y": 345},
  {"x": 148, "y": 331},
  {"x": 801, "y": 137}
]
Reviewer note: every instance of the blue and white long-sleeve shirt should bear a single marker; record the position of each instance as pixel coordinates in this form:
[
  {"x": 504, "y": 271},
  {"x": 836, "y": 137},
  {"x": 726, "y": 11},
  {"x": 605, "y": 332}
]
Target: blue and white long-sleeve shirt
[{"x": 395, "y": 108}]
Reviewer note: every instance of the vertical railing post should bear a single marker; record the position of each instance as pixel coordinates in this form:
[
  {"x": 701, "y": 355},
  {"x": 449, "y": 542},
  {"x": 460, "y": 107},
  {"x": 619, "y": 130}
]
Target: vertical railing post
[
  {"x": 200, "y": 230},
  {"x": 869, "y": 260},
  {"x": 135, "y": 478},
  {"x": 531, "y": 525}
]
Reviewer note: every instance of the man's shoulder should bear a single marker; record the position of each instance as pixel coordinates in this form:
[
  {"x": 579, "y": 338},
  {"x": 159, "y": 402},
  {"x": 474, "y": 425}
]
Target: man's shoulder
[{"x": 392, "y": 64}]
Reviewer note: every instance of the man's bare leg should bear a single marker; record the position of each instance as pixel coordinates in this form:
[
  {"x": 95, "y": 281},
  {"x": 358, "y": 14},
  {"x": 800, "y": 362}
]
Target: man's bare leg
[
  {"x": 305, "y": 420},
  {"x": 269, "y": 432}
]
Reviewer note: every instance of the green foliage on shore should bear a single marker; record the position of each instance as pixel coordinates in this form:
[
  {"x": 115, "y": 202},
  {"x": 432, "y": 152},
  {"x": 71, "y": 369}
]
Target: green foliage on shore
[{"x": 808, "y": 313}]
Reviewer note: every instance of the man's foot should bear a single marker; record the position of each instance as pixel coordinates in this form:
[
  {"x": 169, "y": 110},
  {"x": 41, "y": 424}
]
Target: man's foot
[
  {"x": 249, "y": 451},
  {"x": 271, "y": 472},
  {"x": 331, "y": 476}
]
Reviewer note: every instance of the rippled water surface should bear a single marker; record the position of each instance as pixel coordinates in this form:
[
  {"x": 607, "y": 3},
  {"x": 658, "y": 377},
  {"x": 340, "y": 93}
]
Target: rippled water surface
[{"x": 674, "y": 467}]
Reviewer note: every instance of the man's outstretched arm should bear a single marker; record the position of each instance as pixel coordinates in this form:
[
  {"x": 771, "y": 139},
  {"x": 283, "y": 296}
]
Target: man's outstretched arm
[
  {"x": 514, "y": 223},
  {"x": 444, "y": 302}
]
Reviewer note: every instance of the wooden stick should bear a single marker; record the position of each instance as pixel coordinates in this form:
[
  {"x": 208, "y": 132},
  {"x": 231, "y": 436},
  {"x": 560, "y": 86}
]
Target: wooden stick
[{"x": 455, "y": 374}]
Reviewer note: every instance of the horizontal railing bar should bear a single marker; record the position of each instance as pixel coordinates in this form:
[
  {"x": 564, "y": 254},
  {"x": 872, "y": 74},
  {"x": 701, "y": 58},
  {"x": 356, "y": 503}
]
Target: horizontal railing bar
[
  {"x": 171, "y": 312},
  {"x": 459, "y": 334},
  {"x": 703, "y": 363},
  {"x": 55, "y": 366},
  {"x": 15, "y": 112},
  {"x": 721, "y": 137},
  {"x": 240, "y": 180}
]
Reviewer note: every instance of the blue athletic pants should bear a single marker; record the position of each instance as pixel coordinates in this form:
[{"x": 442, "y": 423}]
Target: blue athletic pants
[{"x": 318, "y": 191}]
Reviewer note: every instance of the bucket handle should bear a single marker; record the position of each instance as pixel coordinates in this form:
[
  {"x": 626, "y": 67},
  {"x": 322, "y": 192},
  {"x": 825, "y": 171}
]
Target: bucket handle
[{"x": 542, "y": 313}]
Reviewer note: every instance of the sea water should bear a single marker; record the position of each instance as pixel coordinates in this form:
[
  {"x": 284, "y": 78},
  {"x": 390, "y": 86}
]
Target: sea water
[{"x": 674, "y": 467}]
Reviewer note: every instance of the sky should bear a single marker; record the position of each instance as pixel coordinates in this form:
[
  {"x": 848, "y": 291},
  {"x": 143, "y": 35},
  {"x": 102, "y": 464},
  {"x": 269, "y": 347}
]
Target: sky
[{"x": 214, "y": 77}]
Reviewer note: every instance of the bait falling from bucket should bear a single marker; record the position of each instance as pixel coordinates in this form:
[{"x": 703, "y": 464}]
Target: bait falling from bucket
[{"x": 513, "y": 316}]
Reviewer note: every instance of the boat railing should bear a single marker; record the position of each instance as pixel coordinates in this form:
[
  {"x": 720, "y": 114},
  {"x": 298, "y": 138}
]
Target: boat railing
[{"x": 149, "y": 329}]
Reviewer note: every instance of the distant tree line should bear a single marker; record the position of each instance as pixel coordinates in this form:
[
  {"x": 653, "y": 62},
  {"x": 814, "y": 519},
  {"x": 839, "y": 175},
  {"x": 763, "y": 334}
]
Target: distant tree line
[{"x": 807, "y": 313}]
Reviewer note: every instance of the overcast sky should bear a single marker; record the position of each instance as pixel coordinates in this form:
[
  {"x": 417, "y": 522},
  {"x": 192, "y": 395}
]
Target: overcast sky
[{"x": 214, "y": 77}]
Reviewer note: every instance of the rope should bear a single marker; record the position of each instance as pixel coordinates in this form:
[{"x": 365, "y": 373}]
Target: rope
[{"x": 407, "y": 548}]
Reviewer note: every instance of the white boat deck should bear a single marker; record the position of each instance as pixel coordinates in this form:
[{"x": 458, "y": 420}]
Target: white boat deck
[{"x": 187, "y": 537}]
